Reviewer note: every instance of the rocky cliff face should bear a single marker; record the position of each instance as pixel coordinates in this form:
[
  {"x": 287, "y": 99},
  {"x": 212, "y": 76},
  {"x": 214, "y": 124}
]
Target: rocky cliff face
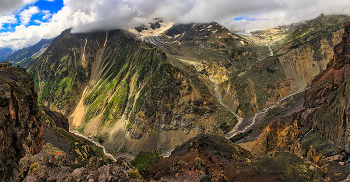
[
  {"x": 21, "y": 131},
  {"x": 302, "y": 51},
  {"x": 329, "y": 93},
  {"x": 308, "y": 49}
]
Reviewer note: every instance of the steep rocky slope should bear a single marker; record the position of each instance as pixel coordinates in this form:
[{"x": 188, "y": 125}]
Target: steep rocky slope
[
  {"x": 21, "y": 131},
  {"x": 286, "y": 64},
  {"x": 113, "y": 86},
  {"x": 329, "y": 94},
  {"x": 316, "y": 132},
  {"x": 309, "y": 49},
  {"x": 26, "y": 127},
  {"x": 303, "y": 54}
]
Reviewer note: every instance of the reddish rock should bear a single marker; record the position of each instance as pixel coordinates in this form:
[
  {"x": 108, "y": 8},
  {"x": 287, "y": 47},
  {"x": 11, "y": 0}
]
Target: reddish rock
[{"x": 330, "y": 94}]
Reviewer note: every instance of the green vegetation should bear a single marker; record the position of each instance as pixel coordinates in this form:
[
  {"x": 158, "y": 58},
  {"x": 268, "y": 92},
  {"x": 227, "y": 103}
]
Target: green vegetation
[
  {"x": 315, "y": 30},
  {"x": 286, "y": 166},
  {"x": 47, "y": 119},
  {"x": 240, "y": 136},
  {"x": 144, "y": 158},
  {"x": 110, "y": 96},
  {"x": 134, "y": 174},
  {"x": 62, "y": 84},
  {"x": 117, "y": 104}
]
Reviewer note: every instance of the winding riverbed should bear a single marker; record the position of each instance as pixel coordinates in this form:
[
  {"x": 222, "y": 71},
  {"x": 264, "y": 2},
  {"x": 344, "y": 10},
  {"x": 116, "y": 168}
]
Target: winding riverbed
[
  {"x": 106, "y": 153},
  {"x": 234, "y": 132}
]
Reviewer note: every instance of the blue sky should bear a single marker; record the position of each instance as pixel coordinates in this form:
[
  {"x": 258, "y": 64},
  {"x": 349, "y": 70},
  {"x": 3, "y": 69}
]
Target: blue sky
[
  {"x": 26, "y": 22},
  {"x": 33, "y": 14}
]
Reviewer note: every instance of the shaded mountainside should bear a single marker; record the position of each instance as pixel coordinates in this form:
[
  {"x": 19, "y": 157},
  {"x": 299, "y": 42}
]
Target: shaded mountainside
[
  {"x": 26, "y": 57},
  {"x": 329, "y": 94},
  {"x": 181, "y": 90},
  {"x": 316, "y": 132}
]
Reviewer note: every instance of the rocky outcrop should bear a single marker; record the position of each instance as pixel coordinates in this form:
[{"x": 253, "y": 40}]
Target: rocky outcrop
[
  {"x": 330, "y": 93},
  {"x": 213, "y": 158},
  {"x": 275, "y": 137},
  {"x": 59, "y": 119},
  {"x": 209, "y": 155},
  {"x": 51, "y": 164},
  {"x": 21, "y": 131},
  {"x": 282, "y": 132}
]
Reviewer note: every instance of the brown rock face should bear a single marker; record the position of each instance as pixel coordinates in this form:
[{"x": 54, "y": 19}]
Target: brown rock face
[
  {"x": 330, "y": 94},
  {"x": 59, "y": 119},
  {"x": 21, "y": 131}
]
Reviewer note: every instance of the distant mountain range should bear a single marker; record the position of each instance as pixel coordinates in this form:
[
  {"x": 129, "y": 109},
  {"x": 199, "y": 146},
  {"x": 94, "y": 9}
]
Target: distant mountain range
[
  {"x": 4, "y": 53},
  {"x": 24, "y": 57}
]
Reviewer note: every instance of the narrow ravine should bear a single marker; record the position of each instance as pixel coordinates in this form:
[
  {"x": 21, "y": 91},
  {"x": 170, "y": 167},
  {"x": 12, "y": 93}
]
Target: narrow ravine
[
  {"x": 110, "y": 156},
  {"x": 234, "y": 132},
  {"x": 218, "y": 96}
]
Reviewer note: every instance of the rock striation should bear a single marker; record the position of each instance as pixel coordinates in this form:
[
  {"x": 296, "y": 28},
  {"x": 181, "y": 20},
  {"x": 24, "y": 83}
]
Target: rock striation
[{"x": 329, "y": 93}]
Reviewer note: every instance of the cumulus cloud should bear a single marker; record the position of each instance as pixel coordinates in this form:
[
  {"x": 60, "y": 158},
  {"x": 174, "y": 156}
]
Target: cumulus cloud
[
  {"x": 91, "y": 15},
  {"x": 47, "y": 14},
  {"x": 27, "y": 14},
  {"x": 7, "y": 19},
  {"x": 9, "y": 6}
]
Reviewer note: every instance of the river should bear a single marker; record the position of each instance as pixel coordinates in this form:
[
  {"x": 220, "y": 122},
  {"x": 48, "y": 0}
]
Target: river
[{"x": 234, "y": 132}]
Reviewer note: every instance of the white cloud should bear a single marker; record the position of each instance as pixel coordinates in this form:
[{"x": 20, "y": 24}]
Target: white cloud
[
  {"x": 9, "y": 6},
  {"x": 7, "y": 19},
  {"x": 90, "y": 15},
  {"x": 27, "y": 14},
  {"x": 38, "y": 21},
  {"x": 47, "y": 14},
  {"x": 45, "y": 11}
]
